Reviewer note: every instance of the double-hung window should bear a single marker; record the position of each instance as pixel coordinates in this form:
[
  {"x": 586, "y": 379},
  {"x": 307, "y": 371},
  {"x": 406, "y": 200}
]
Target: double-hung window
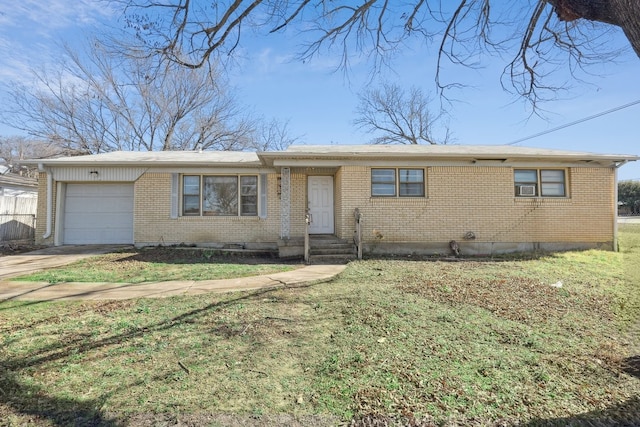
[
  {"x": 248, "y": 195},
  {"x": 397, "y": 182},
  {"x": 220, "y": 195},
  {"x": 191, "y": 195},
  {"x": 540, "y": 182},
  {"x": 383, "y": 182}
]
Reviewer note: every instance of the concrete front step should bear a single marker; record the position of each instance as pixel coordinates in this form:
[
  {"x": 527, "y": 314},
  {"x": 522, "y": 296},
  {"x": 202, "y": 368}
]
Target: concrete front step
[
  {"x": 331, "y": 259},
  {"x": 336, "y": 250},
  {"x": 327, "y": 249},
  {"x": 326, "y": 240}
]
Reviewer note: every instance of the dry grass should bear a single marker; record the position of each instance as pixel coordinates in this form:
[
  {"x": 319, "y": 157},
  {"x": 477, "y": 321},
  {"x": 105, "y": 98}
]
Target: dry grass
[
  {"x": 162, "y": 264},
  {"x": 390, "y": 342}
]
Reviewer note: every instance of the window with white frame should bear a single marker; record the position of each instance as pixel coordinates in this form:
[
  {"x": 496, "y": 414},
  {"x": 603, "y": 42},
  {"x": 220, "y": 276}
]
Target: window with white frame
[
  {"x": 220, "y": 195},
  {"x": 540, "y": 182},
  {"x": 397, "y": 182}
]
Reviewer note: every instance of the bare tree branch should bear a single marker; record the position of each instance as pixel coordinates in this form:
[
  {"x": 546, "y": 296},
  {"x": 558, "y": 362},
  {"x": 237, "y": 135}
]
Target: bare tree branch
[
  {"x": 273, "y": 135},
  {"x": 14, "y": 149},
  {"x": 397, "y": 117},
  {"x": 100, "y": 101},
  {"x": 194, "y": 34}
]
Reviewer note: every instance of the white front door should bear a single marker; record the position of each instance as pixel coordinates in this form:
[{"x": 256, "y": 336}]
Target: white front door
[{"x": 320, "y": 191}]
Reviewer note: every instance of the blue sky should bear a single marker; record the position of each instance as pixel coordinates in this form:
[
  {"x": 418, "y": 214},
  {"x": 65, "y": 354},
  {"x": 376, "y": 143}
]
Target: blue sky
[{"x": 319, "y": 103}]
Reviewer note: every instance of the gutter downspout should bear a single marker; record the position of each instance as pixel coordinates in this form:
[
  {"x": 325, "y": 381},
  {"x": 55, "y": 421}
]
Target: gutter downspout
[
  {"x": 49, "y": 220},
  {"x": 616, "y": 166}
]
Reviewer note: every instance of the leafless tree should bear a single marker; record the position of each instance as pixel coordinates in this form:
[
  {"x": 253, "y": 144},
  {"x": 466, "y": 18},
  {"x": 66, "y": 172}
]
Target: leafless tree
[
  {"x": 103, "y": 101},
  {"x": 397, "y": 116},
  {"x": 539, "y": 35},
  {"x": 14, "y": 149},
  {"x": 273, "y": 135}
]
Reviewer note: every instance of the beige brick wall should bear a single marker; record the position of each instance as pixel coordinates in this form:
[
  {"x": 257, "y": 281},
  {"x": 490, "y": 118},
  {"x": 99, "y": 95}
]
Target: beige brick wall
[
  {"x": 459, "y": 200},
  {"x": 41, "y": 214},
  {"x": 337, "y": 198},
  {"x": 153, "y": 222},
  {"x": 298, "y": 204},
  {"x": 481, "y": 200}
]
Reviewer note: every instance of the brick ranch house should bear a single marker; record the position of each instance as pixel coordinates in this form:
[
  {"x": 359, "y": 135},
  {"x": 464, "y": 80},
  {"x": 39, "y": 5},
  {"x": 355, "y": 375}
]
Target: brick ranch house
[{"x": 410, "y": 199}]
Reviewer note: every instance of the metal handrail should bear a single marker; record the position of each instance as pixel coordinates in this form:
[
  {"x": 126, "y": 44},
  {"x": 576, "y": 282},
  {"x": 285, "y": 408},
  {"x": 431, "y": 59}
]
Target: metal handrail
[
  {"x": 357, "y": 238},
  {"x": 308, "y": 219}
]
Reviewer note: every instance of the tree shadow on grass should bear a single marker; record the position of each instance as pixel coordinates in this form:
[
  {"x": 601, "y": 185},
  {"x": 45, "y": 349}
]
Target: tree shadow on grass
[
  {"x": 23, "y": 399},
  {"x": 37, "y": 405},
  {"x": 626, "y": 414},
  {"x": 631, "y": 366}
]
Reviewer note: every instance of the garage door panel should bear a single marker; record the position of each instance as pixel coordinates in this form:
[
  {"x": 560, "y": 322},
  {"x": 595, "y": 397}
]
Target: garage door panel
[
  {"x": 98, "y": 213},
  {"x": 99, "y": 220},
  {"x": 111, "y": 236},
  {"x": 104, "y": 190},
  {"x": 96, "y": 208}
]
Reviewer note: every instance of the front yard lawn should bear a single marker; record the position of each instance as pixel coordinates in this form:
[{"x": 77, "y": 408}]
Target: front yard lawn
[
  {"x": 162, "y": 264},
  {"x": 390, "y": 342}
]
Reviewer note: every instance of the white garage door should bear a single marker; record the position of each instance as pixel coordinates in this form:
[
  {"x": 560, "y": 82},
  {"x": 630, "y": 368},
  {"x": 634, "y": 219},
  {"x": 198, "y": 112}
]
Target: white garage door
[{"x": 98, "y": 213}]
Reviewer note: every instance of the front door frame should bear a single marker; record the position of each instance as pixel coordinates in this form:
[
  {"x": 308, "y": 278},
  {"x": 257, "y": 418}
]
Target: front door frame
[{"x": 322, "y": 208}]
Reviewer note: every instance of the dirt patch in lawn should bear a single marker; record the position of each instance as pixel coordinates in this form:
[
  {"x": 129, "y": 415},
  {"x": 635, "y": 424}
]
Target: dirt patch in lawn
[
  {"x": 178, "y": 255},
  {"x": 231, "y": 420},
  {"x": 17, "y": 248},
  {"x": 522, "y": 299}
]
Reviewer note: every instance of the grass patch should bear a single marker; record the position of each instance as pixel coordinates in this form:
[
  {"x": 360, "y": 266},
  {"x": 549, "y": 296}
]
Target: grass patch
[
  {"x": 160, "y": 264},
  {"x": 465, "y": 343},
  {"x": 628, "y": 296}
]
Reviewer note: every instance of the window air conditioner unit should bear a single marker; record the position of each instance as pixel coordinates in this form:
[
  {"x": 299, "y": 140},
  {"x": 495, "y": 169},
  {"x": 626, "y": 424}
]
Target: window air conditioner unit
[{"x": 527, "y": 190}]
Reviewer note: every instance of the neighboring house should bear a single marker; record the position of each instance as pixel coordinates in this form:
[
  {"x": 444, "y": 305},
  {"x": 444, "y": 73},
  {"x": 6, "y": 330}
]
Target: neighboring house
[
  {"x": 15, "y": 185},
  {"x": 412, "y": 199},
  {"x": 18, "y": 206}
]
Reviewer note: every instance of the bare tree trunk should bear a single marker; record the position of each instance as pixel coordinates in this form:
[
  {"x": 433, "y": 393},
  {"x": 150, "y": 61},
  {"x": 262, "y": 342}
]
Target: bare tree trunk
[
  {"x": 629, "y": 13},
  {"x": 623, "y": 13}
]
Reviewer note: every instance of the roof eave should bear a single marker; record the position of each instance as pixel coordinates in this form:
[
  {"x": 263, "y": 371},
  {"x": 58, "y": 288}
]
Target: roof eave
[
  {"x": 146, "y": 163},
  {"x": 269, "y": 158}
]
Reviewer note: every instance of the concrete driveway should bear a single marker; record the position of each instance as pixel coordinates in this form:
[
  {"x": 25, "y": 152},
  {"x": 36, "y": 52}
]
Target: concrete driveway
[{"x": 17, "y": 265}]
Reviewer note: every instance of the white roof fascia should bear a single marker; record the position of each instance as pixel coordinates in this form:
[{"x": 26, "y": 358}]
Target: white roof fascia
[
  {"x": 582, "y": 161},
  {"x": 335, "y": 155},
  {"x": 219, "y": 169},
  {"x": 437, "y": 151},
  {"x": 151, "y": 160}
]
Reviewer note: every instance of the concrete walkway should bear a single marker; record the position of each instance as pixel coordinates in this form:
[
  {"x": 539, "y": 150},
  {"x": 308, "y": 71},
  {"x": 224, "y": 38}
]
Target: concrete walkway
[
  {"x": 101, "y": 291},
  {"x": 11, "y": 266}
]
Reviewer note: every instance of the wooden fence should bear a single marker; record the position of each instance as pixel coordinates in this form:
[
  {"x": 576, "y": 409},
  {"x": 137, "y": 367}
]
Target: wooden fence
[{"x": 17, "y": 218}]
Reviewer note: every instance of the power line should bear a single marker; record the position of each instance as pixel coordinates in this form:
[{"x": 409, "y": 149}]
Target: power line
[{"x": 595, "y": 116}]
